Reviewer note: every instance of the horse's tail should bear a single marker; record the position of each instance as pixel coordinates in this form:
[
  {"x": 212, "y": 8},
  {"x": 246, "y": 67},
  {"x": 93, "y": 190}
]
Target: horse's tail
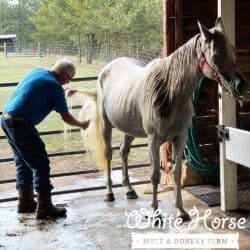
[{"x": 93, "y": 136}]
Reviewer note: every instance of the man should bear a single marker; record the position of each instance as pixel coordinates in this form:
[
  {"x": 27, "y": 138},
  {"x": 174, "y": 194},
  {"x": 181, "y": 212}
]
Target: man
[{"x": 36, "y": 95}]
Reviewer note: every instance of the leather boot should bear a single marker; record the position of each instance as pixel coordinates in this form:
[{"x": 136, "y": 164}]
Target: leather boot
[
  {"x": 26, "y": 203},
  {"x": 45, "y": 209}
]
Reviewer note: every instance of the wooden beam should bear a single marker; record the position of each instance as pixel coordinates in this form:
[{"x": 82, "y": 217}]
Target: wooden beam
[
  {"x": 227, "y": 117},
  {"x": 164, "y": 28},
  {"x": 178, "y": 24},
  {"x": 170, "y": 26},
  {"x": 168, "y": 8}
]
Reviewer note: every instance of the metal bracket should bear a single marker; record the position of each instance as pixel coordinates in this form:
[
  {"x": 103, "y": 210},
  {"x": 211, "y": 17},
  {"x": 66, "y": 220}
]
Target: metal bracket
[{"x": 223, "y": 132}]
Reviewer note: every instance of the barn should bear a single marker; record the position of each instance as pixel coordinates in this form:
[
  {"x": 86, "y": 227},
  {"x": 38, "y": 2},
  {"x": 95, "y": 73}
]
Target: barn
[{"x": 8, "y": 41}]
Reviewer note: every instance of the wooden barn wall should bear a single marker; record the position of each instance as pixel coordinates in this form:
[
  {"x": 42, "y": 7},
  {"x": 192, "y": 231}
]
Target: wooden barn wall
[
  {"x": 243, "y": 55},
  {"x": 207, "y": 110},
  {"x": 183, "y": 16}
]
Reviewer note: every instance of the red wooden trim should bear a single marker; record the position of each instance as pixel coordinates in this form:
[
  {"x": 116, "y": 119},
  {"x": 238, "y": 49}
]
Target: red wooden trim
[{"x": 164, "y": 28}]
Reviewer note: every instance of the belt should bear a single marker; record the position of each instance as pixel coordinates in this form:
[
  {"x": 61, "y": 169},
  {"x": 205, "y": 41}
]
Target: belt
[{"x": 14, "y": 118}]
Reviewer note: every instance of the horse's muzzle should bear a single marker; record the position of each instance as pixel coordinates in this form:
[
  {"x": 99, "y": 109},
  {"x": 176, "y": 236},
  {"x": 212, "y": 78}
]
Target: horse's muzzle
[
  {"x": 241, "y": 89},
  {"x": 242, "y": 86}
]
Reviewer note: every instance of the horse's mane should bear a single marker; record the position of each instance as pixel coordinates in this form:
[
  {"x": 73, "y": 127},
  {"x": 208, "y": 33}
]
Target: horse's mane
[{"x": 167, "y": 75}]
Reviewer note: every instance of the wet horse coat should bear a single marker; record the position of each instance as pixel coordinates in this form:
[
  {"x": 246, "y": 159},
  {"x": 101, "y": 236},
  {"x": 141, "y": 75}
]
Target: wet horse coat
[{"x": 154, "y": 101}]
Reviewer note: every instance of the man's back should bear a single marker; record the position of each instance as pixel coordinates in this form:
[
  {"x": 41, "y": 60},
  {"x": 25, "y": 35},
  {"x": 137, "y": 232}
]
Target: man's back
[{"x": 37, "y": 94}]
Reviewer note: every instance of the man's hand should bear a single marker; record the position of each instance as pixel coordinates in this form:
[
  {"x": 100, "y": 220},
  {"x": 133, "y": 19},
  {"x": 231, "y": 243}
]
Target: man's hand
[
  {"x": 85, "y": 124},
  {"x": 70, "y": 120},
  {"x": 70, "y": 92}
]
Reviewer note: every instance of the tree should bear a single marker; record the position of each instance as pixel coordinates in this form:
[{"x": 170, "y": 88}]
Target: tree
[
  {"x": 6, "y": 18},
  {"x": 142, "y": 20},
  {"x": 108, "y": 21},
  {"x": 79, "y": 16},
  {"x": 22, "y": 11},
  {"x": 63, "y": 20},
  {"x": 50, "y": 25},
  {"x": 15, "y": 18},
  {"x": 131, "y": 22}
]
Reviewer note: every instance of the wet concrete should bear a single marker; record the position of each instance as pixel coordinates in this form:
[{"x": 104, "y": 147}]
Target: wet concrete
[{"x": 92, "y": 224}]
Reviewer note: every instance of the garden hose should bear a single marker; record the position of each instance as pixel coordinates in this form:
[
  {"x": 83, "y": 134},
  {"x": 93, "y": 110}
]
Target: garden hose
[{"x": 192, "y": 151}]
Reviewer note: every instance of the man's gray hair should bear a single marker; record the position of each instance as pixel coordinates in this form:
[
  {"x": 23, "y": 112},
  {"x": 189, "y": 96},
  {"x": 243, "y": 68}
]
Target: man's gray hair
[{"x": 64, "y": 66}]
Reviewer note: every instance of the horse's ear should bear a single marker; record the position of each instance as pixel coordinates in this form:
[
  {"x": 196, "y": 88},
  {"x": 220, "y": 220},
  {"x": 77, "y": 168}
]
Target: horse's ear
[
  {"x": 205, "y": 32},
  {"x": 219, "y": 24}
]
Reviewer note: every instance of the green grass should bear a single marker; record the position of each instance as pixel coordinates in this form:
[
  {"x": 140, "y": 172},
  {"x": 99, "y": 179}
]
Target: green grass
[{"x": 14, "y": 68}]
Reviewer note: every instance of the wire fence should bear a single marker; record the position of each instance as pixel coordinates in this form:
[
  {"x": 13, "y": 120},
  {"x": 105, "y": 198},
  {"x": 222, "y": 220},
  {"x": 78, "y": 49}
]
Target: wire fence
[{"x": 97, "y": 52}]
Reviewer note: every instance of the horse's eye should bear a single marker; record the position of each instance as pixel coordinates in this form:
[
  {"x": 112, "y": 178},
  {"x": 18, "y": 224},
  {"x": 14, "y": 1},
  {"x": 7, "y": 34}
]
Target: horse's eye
[{"x": 216, "y": 59}]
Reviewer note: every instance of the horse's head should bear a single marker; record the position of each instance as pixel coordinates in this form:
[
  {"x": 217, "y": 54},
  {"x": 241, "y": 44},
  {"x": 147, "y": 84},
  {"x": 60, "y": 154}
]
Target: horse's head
[{"x": 217, "y": 60}]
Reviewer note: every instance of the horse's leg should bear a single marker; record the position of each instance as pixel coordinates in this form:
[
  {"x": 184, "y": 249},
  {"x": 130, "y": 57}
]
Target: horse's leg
[
  {"x": 107, "y": 134},
  {"x": 179, "y": 145},
  {"x": 154, "y": 149},
  {"x": 124, "y": 151}
]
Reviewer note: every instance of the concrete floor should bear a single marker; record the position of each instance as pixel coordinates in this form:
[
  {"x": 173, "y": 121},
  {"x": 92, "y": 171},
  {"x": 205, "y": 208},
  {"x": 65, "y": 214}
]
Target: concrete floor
[{"x": 92, "y": 224}]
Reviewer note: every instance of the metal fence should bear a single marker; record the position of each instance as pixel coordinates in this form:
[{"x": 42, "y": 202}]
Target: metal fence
[
  {"x": 68, "y": 153},
  {"x": 97, "y": 52}
]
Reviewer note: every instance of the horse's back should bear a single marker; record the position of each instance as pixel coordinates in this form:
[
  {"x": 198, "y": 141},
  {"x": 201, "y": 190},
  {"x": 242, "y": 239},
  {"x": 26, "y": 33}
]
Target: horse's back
[{"x": 122, "y": 68}]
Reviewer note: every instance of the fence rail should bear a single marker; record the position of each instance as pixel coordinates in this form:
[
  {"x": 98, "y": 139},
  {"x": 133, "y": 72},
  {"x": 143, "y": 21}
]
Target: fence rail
[
  {"x": 87, "y": 189},
  {"x": 75, "y": 152},
  {"x": 77, "y": 79}
]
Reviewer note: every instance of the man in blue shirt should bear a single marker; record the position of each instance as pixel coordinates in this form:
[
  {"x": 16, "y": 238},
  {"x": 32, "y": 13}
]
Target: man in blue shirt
[{"x": 35, "y": 96}]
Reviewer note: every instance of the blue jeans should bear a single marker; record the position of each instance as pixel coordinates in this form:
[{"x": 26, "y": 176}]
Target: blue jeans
[{"x": 29, "y": 153}]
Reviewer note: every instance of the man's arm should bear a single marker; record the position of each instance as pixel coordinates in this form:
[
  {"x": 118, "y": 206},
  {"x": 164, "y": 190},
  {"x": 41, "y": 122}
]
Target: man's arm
[
  {"x": 69, "y": 119},
  {"x": 69, "y": 92}
]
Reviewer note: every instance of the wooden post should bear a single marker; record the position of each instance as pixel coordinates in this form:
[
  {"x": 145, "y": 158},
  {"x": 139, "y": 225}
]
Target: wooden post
[
  {"x": 170, "y": 22},
  {"x": 227, "y": 117},
  {"x": 5, "y": 49},
  {"x": 61, "y": 50},
  {"x": 178, "y": 24},
  {"x": 168, "y": 34},
  {"x": 107, "y": 45},
  {"x": 168, "y": 11},
  {"x": 164, "y": 28},
  {"x": 172, "y": 16},
  {"x": 39, "y": 48}
]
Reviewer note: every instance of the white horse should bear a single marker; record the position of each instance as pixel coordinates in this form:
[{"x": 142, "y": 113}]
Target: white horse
[{"x": 154, "y": 101}]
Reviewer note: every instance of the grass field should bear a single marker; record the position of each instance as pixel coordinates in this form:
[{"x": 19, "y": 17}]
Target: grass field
[{"x": 14, "y": 68}]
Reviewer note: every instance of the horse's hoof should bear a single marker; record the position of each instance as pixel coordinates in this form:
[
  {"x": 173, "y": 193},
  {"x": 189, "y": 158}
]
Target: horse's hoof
[
  {"x": 185, "y": 217},
  {"x": 131, "y": 195},
  {"x": 109, "y": 197},
  {"x": 157, "y": 221}
]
